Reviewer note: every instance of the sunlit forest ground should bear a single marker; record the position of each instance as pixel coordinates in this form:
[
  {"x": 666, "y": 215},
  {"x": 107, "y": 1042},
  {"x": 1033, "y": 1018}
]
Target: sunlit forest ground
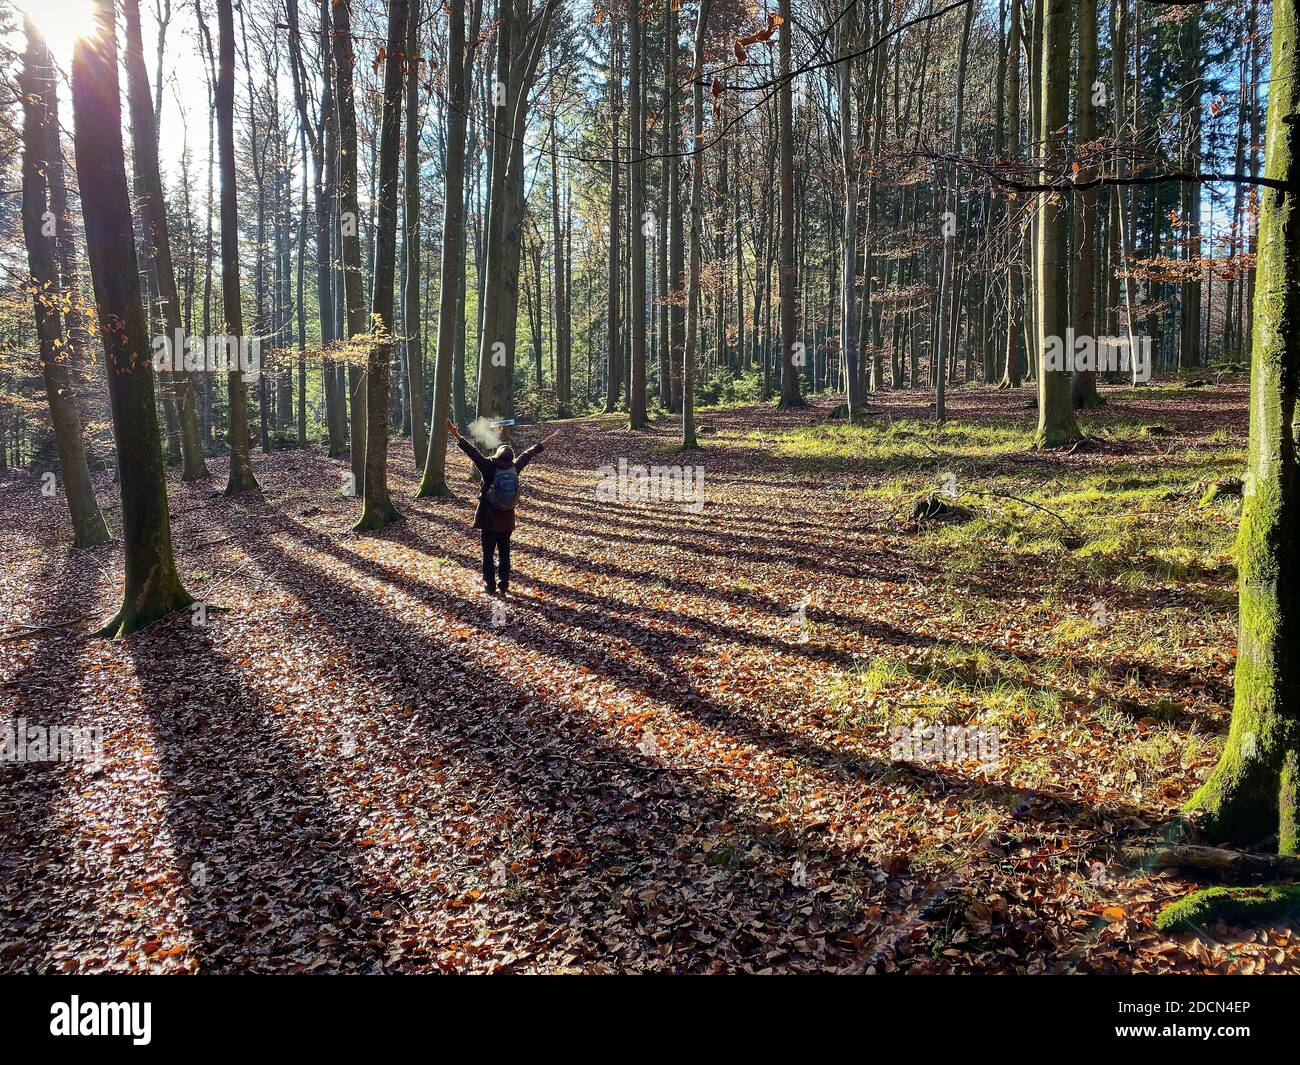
[{"x": 670, "y": 748}]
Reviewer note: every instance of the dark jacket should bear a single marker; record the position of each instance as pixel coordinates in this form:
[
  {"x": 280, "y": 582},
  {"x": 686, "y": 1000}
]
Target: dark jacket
[{"x": 486, "y": 516}]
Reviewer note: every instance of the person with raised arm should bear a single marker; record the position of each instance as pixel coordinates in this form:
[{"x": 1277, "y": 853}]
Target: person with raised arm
[{"x": 494, "y": 516}]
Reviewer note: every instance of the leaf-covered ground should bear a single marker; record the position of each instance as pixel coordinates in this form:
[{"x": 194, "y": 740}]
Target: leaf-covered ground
[{"x": 652, "y": 759}]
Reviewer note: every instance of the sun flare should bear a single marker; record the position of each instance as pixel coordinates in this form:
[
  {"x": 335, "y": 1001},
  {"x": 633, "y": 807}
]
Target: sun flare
[{"x": 61, "y": 23}]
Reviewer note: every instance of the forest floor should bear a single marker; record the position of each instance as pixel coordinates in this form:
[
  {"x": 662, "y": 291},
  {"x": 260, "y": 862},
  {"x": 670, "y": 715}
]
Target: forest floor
[{"x": 651, "y": 758}]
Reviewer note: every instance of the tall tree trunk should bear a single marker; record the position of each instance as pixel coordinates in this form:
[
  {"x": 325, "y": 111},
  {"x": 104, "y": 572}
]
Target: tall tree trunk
[
  {"x": 694, "y": 297},
  {"x": 241, "y": 477},
  {"x": 377, "y": 508},
  {"x": 1056, "y": 423},
  {"x": 210, "y": 78},
  {"x": 1189, "y": 334},
  {"x": 329, "y": 291},
  {"x": 636, "y": 208},
  {"x": 411, "y": 324},
  {"x": 1254, "y": 791},
  {"x": 612, "y": 368},
  {"x": 153, "y": 211},
  {"x": 947, "y": 306},
  {"x": 354, "y": 305},
  {"x": 1087, "y": 220},
  {"x": 518, "y": 54},
  {"x": 451, "y": 277},
  {"x": 75, "y": 318},
  {"x": 852, "y": 167},
  {"x": 301, "y": 299},
  {"x": 676, "y": 294},
  {"x": 40, "y": 145},
  {"x": 559, "y": 318},
  {"x": 153, "y": 589},
  {"x": 667, "y": 166},
  {"x": 1015, "y": 240},
  {"x": 792, "y": 357},
  {"x": 315, "y": 138}
]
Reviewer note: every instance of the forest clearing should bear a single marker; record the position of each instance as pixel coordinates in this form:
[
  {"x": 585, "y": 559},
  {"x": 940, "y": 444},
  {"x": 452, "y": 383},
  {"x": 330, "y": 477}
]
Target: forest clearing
[
  {"x": 599, "y": 487},
  {"x": 675, "y": 766}
]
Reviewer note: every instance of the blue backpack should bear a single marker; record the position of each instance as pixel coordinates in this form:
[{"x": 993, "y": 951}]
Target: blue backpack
[{"x": 504, "y": 493}]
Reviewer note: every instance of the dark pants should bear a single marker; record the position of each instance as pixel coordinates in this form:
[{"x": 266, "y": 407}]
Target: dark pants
[{"x": 496, "y": 542}]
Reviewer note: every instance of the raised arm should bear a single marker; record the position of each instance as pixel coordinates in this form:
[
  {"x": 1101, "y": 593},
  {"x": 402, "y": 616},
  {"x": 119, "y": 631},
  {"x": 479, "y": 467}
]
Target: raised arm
[
  {"x": 481, "y": 461},
  {"x": 531, "y": 453}
]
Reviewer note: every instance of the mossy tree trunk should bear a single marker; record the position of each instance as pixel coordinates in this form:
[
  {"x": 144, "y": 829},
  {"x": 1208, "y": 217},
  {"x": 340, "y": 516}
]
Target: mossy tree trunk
[
  {"x": 40, "y": 144},
  {"x": 1056, "y": 422},
  {"x": 153, "y": 588},
  {"x": 1252, "y": 793}
]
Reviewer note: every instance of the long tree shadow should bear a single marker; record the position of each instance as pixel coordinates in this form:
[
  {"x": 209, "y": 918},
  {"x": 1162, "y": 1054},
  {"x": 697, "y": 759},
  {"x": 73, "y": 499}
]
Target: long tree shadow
[
  {"x": 603, "y": 567},
  {"x": 670, "y": 684},
  {"x": 36, "y": 850},
  {"x": 1182, "y": 713},
  {"x": 1119, "y": 671},
  {"x": 274, "y": 877},
  {"x": 627, "y": 857}
]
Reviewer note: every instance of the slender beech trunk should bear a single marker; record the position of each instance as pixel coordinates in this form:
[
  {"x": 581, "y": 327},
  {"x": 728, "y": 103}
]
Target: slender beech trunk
[
  {"x": 153, "y": 213},
  {"x": 559, "y": 319},
  {"x": 693, "y": 299},
  {"x": 676, "y": 231},
  {"x": 411, "y": 324},
  {"x": 636, "y": 209},
  {"x": 377, "y": 508},
  {"x": 666, "y": 168},
  {"x": 1087, "y": 220},
  {"x": 612, "y": 369},
  {"x": 1190, "y": 355},
  {"x": 40, "y": 145},
  {"x": 852, "y": 167},
  {"x": 451, "y": 278},
  {"x": 354, "y": 305},
  {"x": 792, "y": 357},
  {"x": 153, "y": 589},
  {"x": 1056, "y": 422},
  {"x": 518, "y": 54},
  {"x": 241, "y": 477},
  {"x": 946, "y": 307}
]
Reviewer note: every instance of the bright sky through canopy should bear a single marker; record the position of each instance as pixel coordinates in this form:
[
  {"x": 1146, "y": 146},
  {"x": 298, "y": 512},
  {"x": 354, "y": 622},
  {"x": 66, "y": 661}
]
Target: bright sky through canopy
[{"x": 60, "y": 22}]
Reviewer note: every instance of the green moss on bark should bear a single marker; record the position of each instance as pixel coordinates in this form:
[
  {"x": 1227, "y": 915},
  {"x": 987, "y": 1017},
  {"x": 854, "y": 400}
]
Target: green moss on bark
[
  {"x": 1251, "y": 794},
  {"x": 1232, "y": 905}
]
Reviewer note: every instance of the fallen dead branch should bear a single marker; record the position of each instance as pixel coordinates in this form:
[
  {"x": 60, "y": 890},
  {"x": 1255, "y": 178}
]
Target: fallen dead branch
[{"x": 1215, "y": 858}]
